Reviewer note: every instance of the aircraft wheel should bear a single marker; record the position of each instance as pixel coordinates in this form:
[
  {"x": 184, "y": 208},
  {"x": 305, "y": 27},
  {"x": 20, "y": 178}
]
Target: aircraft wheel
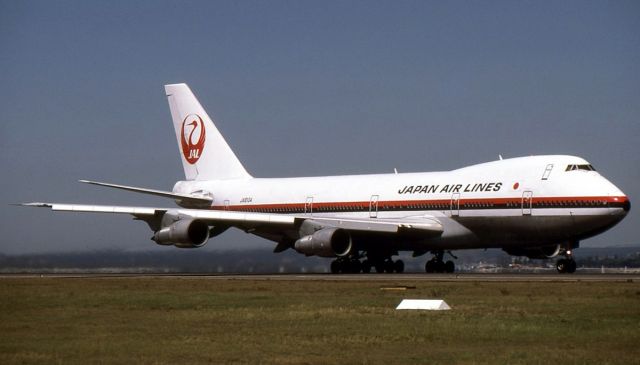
[
  {"x": 449, "y": 267},
  {"x": 561, "y": 266},
  {"x": 366, "y": 266},
  {"x": 571, "y": 266},
  {"x": 429, "y": 267},
  {"x": 440, "y": 267},
  {"x": 398, "y": 266},
  {"x": 379, "y": 267}
]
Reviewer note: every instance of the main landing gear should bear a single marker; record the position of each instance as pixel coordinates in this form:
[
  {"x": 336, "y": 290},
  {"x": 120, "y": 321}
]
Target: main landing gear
[
  {"x": 353, "y": 265},
  {"x": 566, "y": 265},
  {"x": 437, "y": 264}
]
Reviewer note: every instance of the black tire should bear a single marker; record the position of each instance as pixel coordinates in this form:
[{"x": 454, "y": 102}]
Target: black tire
[
  {"x": 429, "y": 267},
  {"x": 449, "y": 267},
  {"x": 398, "y": 266},
  {"x": 379, "y": 267},
  {"x": 440, "y": 267},
  {"x": 561, "y": 266},
  {"x": 571, "y": 266}
]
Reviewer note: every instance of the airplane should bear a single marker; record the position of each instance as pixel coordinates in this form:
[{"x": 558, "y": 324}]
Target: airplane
[{"x": 536, "y": 206}]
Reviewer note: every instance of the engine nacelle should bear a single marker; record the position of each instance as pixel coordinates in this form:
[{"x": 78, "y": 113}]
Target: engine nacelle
[
  {"x": 185, "y": 233},
  {"x": 327, "y": 242},
  {"x": 542, "y": 252}
]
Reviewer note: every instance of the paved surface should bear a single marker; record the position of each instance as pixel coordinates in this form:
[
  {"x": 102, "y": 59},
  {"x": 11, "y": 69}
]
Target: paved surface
[{"x": 362, "y": 277}]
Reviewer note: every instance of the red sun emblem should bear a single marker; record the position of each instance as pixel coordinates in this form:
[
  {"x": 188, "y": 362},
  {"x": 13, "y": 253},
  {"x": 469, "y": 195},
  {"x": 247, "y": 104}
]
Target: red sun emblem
[{"x": 192, "y": 138}]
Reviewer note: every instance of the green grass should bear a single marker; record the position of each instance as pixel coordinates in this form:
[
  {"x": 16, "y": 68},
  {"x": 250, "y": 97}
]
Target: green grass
[{"x": 196, "y": 320}]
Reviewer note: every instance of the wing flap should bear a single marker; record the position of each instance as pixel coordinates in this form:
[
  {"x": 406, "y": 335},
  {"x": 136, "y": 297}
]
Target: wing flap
[
  {"x": 231, "y": 216},
  {"x": 427, "y": 226}
]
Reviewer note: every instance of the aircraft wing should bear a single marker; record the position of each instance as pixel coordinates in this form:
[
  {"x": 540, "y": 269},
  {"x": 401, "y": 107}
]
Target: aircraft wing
[
  {"x": 146, "y": 213},
  {"x": 82, "y": 208},
  {"x": 423, "y": 226}
]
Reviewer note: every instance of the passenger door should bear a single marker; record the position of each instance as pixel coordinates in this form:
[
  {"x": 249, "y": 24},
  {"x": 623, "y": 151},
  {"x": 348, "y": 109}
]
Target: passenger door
[
  {"x": 373, "y": 206},
  {"x": 308, "y": 206},
  {"x": 455, "y": 204},
  {"x": 527, "y": 202}
]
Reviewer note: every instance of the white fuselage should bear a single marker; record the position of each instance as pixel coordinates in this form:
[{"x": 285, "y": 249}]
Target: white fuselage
[{"x": 525, "y": 201}]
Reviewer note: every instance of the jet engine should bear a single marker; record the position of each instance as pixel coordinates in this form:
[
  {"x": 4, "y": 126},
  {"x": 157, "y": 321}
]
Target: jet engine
[
  {"x": 327, "y": 242},
  {"x": 184, "y": 233},
  {"x": 542, "y": 252}
]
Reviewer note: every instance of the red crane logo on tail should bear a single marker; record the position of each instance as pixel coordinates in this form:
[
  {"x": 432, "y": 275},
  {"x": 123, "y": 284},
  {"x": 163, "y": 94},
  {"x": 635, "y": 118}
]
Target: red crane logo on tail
[{"x": 192, "y": 138}]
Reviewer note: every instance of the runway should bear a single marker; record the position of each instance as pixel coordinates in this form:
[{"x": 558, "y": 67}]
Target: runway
[{"x": 407, "y": 277}]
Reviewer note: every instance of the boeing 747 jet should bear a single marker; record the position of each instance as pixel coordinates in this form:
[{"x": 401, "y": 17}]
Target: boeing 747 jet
[{"x": 537, "y": 206}]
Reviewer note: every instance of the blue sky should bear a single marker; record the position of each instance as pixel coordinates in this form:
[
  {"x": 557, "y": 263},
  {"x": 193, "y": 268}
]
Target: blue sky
[{"x": 302, "y": 88}]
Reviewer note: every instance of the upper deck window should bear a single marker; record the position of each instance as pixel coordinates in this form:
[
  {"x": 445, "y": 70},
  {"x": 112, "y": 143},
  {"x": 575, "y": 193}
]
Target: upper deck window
[
  {"x": 580, "y": 167},
  {"x": 547, "y": 172}
]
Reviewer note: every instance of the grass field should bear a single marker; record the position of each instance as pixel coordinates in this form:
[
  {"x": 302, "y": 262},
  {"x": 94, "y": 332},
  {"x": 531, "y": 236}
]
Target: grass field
[{"x": 196, "y": 320}]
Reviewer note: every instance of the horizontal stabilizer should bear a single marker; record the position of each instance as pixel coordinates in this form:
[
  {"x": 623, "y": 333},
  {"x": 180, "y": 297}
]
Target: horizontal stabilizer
[{"x": 200, "y": 201}]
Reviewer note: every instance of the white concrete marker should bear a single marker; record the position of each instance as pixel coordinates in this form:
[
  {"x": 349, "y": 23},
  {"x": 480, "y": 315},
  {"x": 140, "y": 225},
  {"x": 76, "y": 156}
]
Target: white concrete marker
[{"x": 424, "y": 304}]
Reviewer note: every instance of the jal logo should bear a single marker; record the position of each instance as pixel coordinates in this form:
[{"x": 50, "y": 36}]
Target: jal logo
[{"x": 192, "y": 138}]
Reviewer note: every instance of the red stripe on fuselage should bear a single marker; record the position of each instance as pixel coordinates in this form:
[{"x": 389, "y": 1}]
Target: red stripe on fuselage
[{"x": 514, "y": 202}]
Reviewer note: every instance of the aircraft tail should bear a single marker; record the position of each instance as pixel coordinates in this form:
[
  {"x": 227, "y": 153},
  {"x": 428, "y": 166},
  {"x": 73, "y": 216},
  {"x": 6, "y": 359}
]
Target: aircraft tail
[{"x": 204, "y": 153}]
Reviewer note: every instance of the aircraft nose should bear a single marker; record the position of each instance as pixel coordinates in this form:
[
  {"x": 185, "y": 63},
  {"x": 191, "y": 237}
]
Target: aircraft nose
[
  {"x": 622, "y": 203},
  {"x": 620, "y": 199},
  {"x": 626, "y": 205}
]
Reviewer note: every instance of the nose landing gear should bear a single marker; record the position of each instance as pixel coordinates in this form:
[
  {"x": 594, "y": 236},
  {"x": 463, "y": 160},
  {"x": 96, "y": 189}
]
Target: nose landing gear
[{"x": 566, "y": 265}]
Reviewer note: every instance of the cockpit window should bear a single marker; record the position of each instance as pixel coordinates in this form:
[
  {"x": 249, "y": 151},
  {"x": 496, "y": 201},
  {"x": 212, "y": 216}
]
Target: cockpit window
[{"x": 580, "y": 167}]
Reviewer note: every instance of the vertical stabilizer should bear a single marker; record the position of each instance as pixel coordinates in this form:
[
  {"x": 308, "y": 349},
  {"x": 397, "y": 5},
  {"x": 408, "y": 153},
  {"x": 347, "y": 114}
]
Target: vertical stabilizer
[{"x": 204, "y": 152}]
